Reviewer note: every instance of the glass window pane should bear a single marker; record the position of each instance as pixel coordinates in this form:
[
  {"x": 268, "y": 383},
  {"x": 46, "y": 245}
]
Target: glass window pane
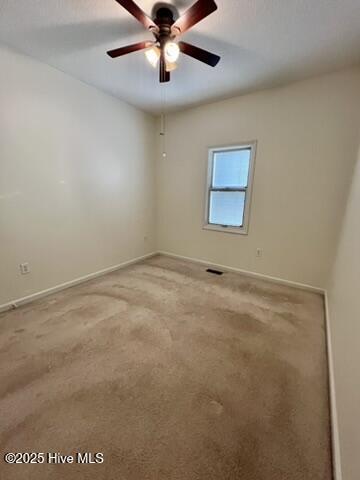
[
  {"x": 227, "y": 208},
  {"x": 231, "y": 168}
]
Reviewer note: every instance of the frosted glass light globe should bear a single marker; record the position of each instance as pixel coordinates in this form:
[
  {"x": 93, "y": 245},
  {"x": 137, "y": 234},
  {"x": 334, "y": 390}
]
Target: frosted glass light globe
[
  {"x": 172, "y": 52},
  {"x": 153, "y": 55}
]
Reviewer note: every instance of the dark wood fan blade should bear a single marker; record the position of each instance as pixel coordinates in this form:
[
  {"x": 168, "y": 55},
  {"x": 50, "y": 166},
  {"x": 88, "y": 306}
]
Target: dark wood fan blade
[
  {"x": 118, "y": 52},
  {"x": 164, "y": 75},
  {"x": 200, "y": 54},
  {"x": 196, "y": 13},
  {"x": 136, "y": 12}
]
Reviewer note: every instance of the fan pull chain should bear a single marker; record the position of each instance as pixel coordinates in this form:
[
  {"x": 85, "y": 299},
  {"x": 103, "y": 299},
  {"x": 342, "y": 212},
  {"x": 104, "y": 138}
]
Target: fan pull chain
[
  {"x": 163, "y": 136},
  {"x": 163, "y": 122}
]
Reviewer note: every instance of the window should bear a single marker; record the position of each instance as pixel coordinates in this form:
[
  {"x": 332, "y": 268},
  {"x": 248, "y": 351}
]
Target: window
[{"x": 228, "y": 195}]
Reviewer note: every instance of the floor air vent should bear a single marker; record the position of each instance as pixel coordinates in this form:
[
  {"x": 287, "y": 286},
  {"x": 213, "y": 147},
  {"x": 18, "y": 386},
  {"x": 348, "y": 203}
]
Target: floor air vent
[{"x": 215, "y": 272}]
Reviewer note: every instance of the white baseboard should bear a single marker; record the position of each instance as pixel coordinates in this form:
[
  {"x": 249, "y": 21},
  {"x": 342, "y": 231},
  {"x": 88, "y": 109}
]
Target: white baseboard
[
  {"x": 57, "y": 288},
  {"x": 247, "y": 273},
  {"x": 335, "y": 439},
  {"x": 21, "y": 301}
]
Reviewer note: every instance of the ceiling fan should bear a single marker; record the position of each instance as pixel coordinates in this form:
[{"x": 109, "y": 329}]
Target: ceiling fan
[{"x": 165, "y": 49}]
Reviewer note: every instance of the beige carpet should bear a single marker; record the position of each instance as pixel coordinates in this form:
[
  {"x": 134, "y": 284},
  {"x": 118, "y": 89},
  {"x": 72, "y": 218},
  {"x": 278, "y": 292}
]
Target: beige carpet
[{"x": 172, "y": 373}]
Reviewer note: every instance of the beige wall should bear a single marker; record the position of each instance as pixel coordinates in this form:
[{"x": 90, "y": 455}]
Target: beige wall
[
  {"x": 307, "y": 141},
  {"x": 344, "y": 303},
  {"x": 77, "y": 182},
  {"x": 76, "y": 178}
]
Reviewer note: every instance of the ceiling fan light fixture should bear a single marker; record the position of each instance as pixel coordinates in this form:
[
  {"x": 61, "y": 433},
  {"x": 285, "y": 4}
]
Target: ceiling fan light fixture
[
  {"x": 153, "y": 56},
  {"x": 172, "y": 52},
  {"x": 171, "y": 66},
  {"x": 163, "y": 52}
]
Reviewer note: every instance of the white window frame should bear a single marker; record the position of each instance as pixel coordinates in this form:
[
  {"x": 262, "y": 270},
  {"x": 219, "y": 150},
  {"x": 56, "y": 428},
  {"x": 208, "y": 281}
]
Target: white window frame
[{"x": 244, "y": 229}]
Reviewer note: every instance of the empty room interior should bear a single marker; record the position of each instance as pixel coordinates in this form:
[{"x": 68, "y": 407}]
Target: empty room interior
[{"x": 179, "y": 234}]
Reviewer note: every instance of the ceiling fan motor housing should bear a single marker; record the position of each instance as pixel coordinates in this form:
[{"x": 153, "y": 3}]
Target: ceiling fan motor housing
[{"x": 164, "y": 20}]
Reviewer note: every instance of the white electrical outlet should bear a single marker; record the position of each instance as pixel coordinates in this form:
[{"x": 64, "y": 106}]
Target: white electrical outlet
[
  {"x": 259, "y": 252},
  {"x": 24, "y": 268}
]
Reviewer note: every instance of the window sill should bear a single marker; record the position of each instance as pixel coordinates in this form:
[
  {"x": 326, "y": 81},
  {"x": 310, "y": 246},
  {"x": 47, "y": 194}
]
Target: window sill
[{"x": 233, "y": 230}]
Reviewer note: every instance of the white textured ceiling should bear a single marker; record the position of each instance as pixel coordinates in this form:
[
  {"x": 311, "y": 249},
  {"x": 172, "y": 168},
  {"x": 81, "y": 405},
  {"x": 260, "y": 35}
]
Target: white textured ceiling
[{"x": 262, "y": 43}]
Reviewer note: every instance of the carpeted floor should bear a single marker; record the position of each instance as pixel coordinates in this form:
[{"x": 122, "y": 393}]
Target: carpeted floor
[{"x": 172, "y": 373}]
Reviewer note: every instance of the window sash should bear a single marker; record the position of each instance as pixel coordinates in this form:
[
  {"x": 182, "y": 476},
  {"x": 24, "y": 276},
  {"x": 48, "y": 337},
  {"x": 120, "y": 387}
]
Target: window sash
[
  {"x": 226, "y": 190},
  {"x": 229, "y": 150},
  {"x": 245, "y": 189}
]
